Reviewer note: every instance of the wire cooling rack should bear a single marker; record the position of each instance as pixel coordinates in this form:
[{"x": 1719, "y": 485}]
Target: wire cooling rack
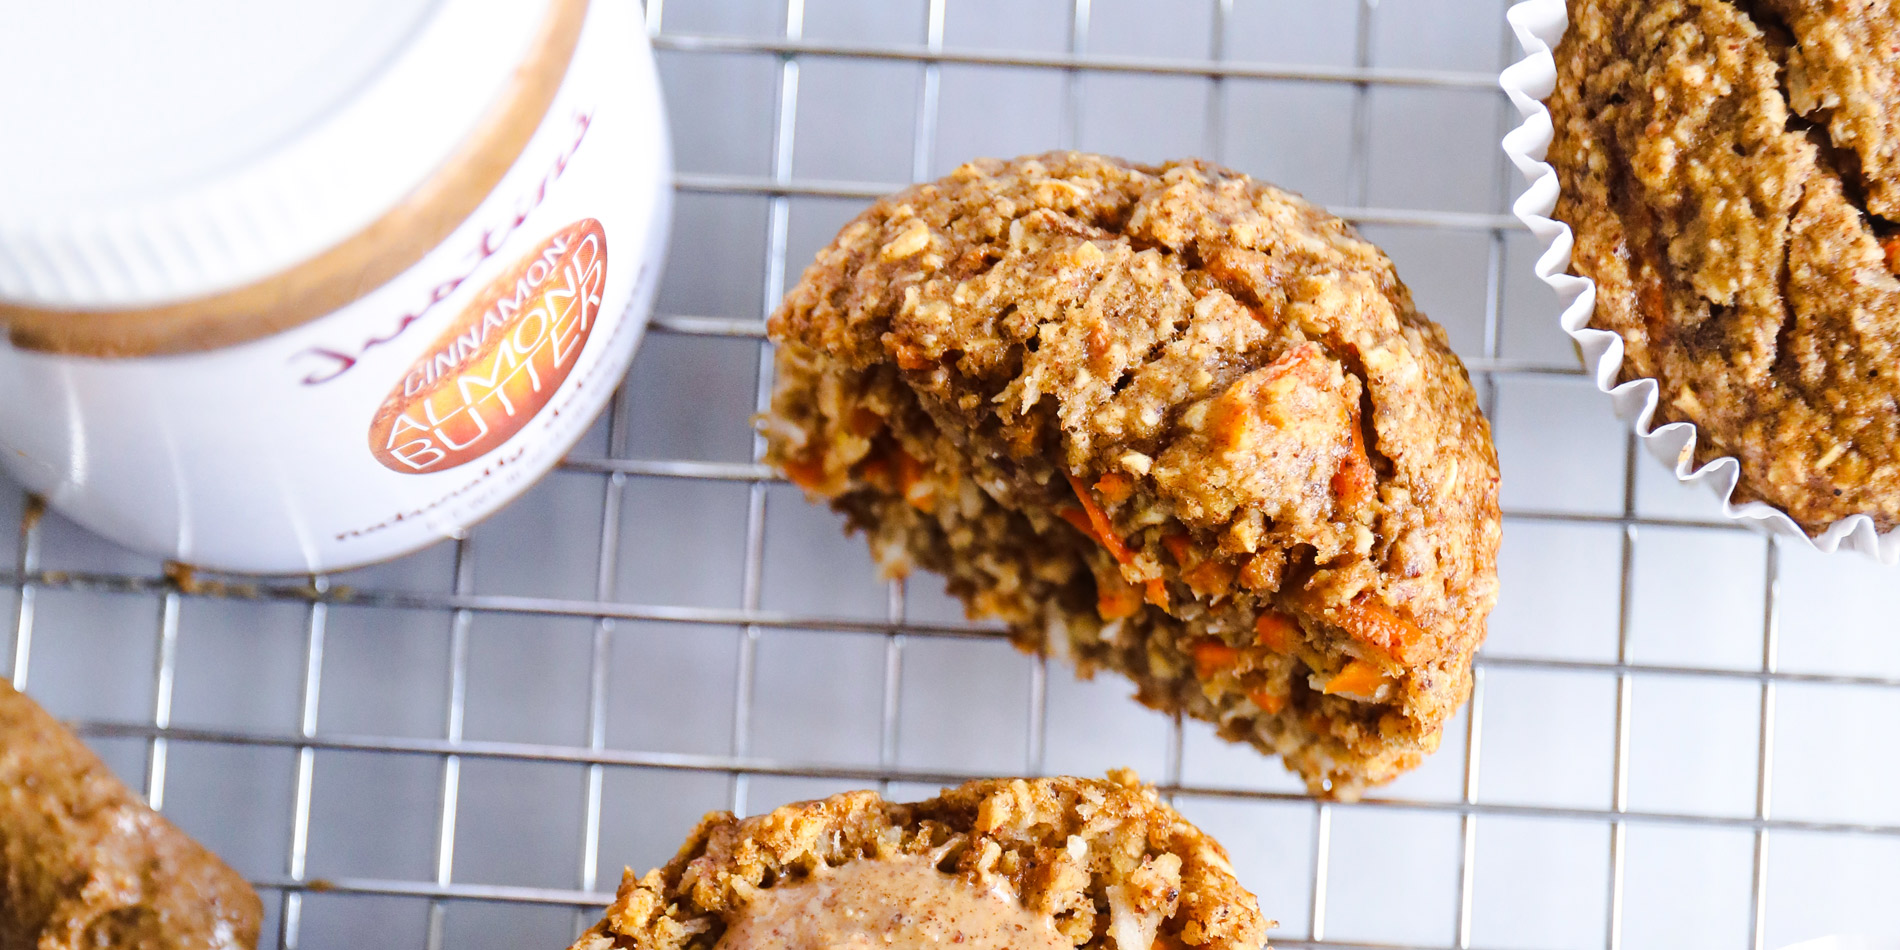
[{"x": 1680, "y": 734}]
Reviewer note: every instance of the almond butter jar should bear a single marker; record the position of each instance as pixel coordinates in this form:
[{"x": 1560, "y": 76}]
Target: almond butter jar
[{"x": 299, "y": 287}]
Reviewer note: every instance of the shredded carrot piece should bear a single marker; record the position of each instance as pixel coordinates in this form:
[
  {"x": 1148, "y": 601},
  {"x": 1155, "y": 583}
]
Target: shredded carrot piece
[
  {"x": 909, "y": 469},
  {"x": 1275, "y": 631},
  {"x": 1156, "y": 592},
  {"x": 863, "y": 422},
  {"x": 1229, "y": 423},
  {"x": 1024, "y": 440},
  {"x": 1093, "y": 521},
  {"x": 1104, "y": 531},
  {"x": 1269, "y": 702},
  {"x": 1891, "y": 247},
  {"x": 910, "y": 480},
  {"x": 1262, "y": 572},
  {"x": 1359, "y": 678},
  {"x": 1117, "y": 601},
  {"x": 1205, "y": 578},
  {"x": 911, "y": 357},
  {"x": 1354, "y": 481},
  {"x": 1075, "y": 516},
  {"x": 877, "y": 471},
  {"x": 1371, "y": 622},
  {"x": 1115, "y": 487},
  {"x": 1212, "y": 656},
  {"x": 808, "y": 474},
  {"x": 1651, "y": 298},
  {"x": 1232, "y": 419},
  {"x": 1305, "y": 358},
  {"x": 1210, "y": 578}
]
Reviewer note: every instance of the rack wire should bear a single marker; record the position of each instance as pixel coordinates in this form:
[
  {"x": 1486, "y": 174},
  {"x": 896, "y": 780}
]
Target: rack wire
[{"x": 1319, "y": 888}]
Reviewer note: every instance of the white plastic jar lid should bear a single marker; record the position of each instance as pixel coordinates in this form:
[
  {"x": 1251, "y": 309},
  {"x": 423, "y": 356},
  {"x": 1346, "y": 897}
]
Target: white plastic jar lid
[{"x": 158, "y": 152}]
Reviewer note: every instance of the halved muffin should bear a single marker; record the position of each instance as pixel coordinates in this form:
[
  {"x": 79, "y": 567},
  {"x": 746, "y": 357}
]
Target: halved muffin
[
  {"x": 995, "y": 864},
  {"x": 1169, "y": 421}
]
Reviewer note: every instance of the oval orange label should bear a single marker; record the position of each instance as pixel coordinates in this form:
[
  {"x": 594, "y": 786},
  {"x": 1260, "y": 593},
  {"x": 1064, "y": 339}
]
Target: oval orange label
[{"x": 501, "y": 360}]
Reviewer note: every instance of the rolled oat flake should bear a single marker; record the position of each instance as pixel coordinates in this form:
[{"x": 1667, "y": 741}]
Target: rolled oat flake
[{"x": 289, "y": 288}]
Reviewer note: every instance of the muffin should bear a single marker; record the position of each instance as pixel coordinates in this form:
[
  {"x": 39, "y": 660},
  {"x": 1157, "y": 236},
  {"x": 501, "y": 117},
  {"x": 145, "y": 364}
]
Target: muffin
[
  {"x": 84, "y": 864},
  {"x": 1731, "y": 172},
  {"x": 998, "y": 864},
  {"x": 1168, "y": 421}
]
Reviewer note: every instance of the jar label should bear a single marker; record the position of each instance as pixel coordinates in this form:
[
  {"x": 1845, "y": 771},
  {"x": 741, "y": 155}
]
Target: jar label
[{"x": 500, "y": 362}]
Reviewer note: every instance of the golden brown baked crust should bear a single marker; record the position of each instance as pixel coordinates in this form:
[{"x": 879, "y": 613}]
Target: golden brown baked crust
[
  {"x": 84, "y": 864},
  {"x": 1079, "y": 850},
  {"x": 1729, "y": 170},
  {"x": 1171, "y": 421}
]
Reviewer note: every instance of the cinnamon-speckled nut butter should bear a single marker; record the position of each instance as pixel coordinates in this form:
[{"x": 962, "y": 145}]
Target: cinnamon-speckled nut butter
[
  {"x": 290, "y": 290},
  {"x": 903, "y": 904}
]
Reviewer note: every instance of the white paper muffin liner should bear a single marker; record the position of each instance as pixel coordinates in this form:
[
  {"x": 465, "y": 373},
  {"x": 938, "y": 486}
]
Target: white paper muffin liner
[{"x": 1539, "y": 25}]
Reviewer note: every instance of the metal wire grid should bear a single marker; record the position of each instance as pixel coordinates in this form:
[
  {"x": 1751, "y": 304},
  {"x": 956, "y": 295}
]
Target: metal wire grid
[{"x": 317, "y": 595}]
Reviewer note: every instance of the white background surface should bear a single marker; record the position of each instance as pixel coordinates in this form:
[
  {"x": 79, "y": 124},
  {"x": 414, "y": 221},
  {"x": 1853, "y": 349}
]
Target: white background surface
[{"x": 1515, "y": 847}]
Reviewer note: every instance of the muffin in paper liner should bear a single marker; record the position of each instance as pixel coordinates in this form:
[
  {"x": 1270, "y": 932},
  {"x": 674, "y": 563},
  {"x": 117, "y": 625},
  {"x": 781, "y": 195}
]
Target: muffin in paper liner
[{"x": 1539, "y": 25}]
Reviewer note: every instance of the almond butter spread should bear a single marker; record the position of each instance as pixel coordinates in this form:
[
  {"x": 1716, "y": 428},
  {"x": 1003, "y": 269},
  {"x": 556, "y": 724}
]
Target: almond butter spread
[{"x": 904, "y": 904}]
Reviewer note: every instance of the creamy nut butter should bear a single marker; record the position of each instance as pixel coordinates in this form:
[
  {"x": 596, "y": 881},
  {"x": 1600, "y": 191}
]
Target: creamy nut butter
[
  {"x": 903, "y": 904},
  {"x": 300, "y": 287}
]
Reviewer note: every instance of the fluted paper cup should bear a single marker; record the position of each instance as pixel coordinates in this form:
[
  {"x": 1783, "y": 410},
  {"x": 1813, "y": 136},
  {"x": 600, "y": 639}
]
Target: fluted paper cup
[{"x": 1539, "y": 25}]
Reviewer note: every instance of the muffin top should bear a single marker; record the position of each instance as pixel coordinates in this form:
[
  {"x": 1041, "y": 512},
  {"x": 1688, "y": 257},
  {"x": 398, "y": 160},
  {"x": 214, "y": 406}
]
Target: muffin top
[
  {"x": 1226, "y": 364},
  {"x": 1080, "y": 862},
  {"x": 1732, "y": 174}
]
